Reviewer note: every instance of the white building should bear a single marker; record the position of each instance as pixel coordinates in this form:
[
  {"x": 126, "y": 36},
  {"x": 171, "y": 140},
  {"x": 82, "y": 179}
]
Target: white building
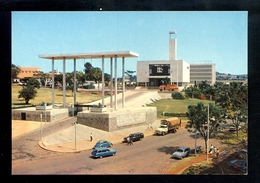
[{"x": 153, "y": 72}]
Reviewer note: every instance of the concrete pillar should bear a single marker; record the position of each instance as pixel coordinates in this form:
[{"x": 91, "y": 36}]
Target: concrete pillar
[
  {"x": 115, "y": 83},
  {"x": 64, "y": 83},
  {"x": 123, "y": 80},
  {"x": 52, "y": 76},
  {"x": 75, "y": 82},
  {"x": 103, "y": 81},
  {"x": 111, "y": 82}
]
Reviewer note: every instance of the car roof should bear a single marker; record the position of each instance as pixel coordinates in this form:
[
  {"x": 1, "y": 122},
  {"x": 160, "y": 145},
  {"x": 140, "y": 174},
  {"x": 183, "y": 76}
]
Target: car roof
[
  {"x": 104, "y": 148},
  {"x": 183, "y": 147},
  {"x": 101, "y": 141},
  {"x": 136, "y": 133}
]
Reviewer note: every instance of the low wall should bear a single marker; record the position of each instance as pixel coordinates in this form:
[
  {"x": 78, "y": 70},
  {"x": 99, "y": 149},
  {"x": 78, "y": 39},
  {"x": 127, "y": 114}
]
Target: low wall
[
  {"x": 120, "y": 119},
  {"x": 34, "y": 115}
]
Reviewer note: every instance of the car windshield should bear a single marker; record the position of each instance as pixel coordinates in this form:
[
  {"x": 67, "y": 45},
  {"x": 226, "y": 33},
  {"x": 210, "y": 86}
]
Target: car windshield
[
  {"x": 179, "y": 150},
  {"x": 163, "y": 126}
]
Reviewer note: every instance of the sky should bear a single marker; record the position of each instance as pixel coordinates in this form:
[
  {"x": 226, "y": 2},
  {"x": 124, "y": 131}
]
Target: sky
[{"x": 219, "y": 37}]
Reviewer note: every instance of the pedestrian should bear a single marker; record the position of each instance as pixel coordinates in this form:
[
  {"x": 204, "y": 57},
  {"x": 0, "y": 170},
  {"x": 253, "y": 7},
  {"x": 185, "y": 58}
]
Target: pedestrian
[
  {"x": 211, "y": 149},
  {"x": 151, "y": 127},
  {"x": 217, "y": 153},
  {"x": 91, "y": 137},
  {"x": 128, "y": 140},
  {"x": 215, "y": 150}
]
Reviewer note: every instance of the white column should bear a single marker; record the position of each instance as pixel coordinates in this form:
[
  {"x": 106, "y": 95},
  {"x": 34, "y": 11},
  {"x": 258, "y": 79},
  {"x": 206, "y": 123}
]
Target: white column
[
  {"x": 103, "y": 81},
  {"x": 115, "y": 83},
  {"x": 52, "y": 76},
  {"x": 123, "y": 80},
  {"x": 111, "y": 82},
  {"x": 64, "y": 83},
  {"x": 75, "y": 82}
]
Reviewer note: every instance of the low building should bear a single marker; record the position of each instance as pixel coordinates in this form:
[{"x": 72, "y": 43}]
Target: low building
[{"x": 28, "y": 72}]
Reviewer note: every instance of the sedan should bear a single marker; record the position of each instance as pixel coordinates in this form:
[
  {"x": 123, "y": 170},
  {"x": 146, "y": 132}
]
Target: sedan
[
  {"x": 103, "y": 152},
  {"x": 238, "y": 164},
  {"x": 103, "y": 143},
  {"x": 181, "y": 152}
]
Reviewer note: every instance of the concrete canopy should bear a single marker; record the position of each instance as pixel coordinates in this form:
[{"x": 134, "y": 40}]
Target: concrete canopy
[
  {"x": 101, "y": 55},
  {"x": 90, "y": 55}
]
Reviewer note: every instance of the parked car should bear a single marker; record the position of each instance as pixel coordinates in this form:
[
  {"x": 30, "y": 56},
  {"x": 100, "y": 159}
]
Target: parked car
[
  {"x": 242, "y": 154},
  {"x": 181, "y": 152},
  {"x": 233, "y": 128},
  {"x": 134, "y": 137},
  {"x": 103, "y": 152},
  {"x": 238, "y": 164},
  {"x": 103, "y": 143}
]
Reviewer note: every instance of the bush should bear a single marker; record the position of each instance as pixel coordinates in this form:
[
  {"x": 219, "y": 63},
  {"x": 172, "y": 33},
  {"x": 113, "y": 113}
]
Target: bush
[{"x": 177, "y": 96}]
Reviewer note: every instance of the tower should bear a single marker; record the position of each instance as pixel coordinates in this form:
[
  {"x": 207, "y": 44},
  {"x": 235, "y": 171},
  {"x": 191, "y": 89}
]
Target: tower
[{"x": 172, "y": 45}]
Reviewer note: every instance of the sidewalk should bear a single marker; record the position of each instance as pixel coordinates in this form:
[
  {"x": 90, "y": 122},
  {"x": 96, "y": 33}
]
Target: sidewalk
[{"x": 64, "y": 140}]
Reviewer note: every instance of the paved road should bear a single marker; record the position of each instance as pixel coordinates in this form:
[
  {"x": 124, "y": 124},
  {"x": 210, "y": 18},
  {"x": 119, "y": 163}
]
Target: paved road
[{"x": 149, "y": 156}]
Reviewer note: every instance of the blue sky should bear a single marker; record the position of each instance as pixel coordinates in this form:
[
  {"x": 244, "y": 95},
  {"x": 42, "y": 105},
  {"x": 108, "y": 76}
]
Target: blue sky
[{"x": 220, "y": 37}]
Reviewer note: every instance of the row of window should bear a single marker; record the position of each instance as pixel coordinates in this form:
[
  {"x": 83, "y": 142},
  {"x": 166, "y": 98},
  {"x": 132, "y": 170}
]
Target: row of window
[{"x": 31, "y": 71}]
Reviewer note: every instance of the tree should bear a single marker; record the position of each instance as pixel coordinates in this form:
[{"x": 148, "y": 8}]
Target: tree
[
  {"x": 233, "y": 98},
  {"x": 15, "y": 71},
  {"x": 33, "y": 82},
  {"x": 43, "y": 77},
  {"x": 81, "y": 78},
  {"x": 27, "y": 93},
  {"x": 198, "y": 117}
]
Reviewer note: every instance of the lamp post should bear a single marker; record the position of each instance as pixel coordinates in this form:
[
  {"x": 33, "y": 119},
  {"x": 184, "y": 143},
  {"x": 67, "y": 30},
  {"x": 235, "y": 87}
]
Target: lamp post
[
  {"x": 41, "y": 125},
  {"x": 195, "y": 142},
  {"x": 75, "y": 123},
  {"x": 45, "y": 112},
  {"x": 208, "y": 135}
]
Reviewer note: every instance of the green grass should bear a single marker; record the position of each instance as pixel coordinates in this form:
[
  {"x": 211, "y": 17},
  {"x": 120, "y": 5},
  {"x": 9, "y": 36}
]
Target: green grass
[
  {"x": 175, "y": 106},
  {"x": 45, "y": 95}
]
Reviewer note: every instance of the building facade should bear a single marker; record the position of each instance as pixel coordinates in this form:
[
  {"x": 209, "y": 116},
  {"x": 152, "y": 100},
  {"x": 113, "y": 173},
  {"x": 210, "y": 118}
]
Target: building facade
[
  {"x": 202, "y": 72},
  {"x": 152, "y": 73}
]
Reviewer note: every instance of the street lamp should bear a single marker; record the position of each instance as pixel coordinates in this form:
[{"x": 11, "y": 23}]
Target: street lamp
[
  {"x": 41, "y": 125},
  {"x": 75, "y": 123},
  {"x": 45, "y": 111}
]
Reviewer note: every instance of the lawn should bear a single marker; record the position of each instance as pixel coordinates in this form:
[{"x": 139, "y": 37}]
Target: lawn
[
  {"x": 45, "y": 95},
  {"x": 175, "y": 106}
]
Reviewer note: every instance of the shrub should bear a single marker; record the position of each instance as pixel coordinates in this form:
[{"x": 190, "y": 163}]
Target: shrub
[{"x": 177, "y": 96}]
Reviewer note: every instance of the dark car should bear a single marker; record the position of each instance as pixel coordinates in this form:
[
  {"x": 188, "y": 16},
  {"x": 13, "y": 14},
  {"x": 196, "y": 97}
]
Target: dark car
[
  {"x": 238, "y": 164},
  {"x": 103, "y": 152},
  {"x": 181, "y": 152},
  {"x": 102, "y": 144},
  {"x": 242, "y": 154},
  {"x": 134, "y": 137}
]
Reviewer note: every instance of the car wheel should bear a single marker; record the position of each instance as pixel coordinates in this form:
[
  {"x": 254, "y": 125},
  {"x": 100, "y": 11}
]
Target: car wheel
[
  {"x": 100, "y": 157},
  {"x": 114, "y": 154}
]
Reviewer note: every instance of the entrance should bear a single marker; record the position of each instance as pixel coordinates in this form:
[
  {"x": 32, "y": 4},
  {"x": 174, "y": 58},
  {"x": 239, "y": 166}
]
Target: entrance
[
  {"x": 155, "y": 82},
  {"x": 23, "y": 116}
]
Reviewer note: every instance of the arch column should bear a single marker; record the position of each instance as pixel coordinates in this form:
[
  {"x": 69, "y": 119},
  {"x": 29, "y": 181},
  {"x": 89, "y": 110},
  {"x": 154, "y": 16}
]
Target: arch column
[
  {"x": 111, "y": 82},
  {"x": 115, "y": 83},
  {"x": 64, "y": 82},
  {"x": 103, "y": 81},
  {"x": 75, "y": 82},
  {"x": 123, "y": 82},
  {"x": 52, "y": 86}
]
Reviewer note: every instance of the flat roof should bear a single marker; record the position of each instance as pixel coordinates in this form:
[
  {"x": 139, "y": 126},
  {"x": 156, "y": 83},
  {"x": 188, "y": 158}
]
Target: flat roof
[{"x": 119, "y": 54}]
